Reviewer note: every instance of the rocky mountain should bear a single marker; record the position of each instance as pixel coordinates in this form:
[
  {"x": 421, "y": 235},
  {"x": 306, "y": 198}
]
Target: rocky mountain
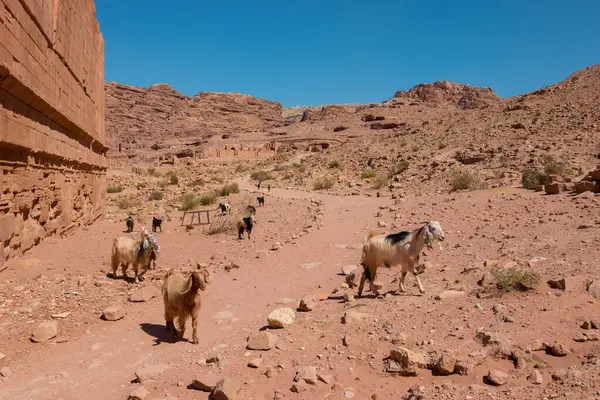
[
  {"x": 139, "y": 117},
  {"x": 464, "y": 96}
]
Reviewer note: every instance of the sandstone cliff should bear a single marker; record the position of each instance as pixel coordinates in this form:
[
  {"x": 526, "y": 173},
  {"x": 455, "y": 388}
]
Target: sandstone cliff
[
  {"x": 140, "y": 118},
  {"x": 464, "y": 96}
]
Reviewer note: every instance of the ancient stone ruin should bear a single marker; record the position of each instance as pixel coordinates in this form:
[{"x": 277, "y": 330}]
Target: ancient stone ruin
[{"x": 52, "y": 151}]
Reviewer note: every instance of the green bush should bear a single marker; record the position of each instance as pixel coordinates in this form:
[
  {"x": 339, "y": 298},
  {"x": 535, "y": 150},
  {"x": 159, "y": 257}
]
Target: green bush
[
  {"x": 512, "y": 278},
  {"x": 208, "y": 198},
  {"x": 324, "y": 182},
  {"x": 156, "y": 195},
  {"x": 114, "y": 189},
  {"x": 228, "y": 189},
  {"x": 464, "y": 179}
]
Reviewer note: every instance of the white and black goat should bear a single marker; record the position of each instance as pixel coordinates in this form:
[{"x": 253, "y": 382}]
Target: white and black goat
[
  {"x": 225, "y": 208},
  {"x": 138, "y": 253},
  {"x": 245, "y": 224},
  {"x": 402, "y": 248},
  {"x": 129, "y": 224}
]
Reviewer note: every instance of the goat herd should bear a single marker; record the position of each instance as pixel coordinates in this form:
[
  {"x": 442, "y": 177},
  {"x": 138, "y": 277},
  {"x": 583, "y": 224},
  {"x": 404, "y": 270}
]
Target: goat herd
[{"x": 181, "y": 293}]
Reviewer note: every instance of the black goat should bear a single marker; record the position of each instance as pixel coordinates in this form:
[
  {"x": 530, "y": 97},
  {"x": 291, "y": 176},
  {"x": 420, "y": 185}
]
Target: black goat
[
  {"x": 261, "y": 200},
  {"x": 156, "y": 223},
  {"x": 129, "y": 223}
]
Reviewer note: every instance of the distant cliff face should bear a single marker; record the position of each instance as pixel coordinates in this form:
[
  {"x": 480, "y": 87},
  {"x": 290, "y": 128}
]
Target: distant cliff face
[{"x": 139, "y": 118}]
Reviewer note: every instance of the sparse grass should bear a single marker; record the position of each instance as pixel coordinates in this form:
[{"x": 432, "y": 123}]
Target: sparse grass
[
  {"x": 198, "y": 182},
  {"x": 208, "y": 198},
  {"x": 399, "y": 168},
  {"x": 141, "y": 185},
  {"x": 368, "y": 174},
  {"x": 189, "y": 201},
  {"x": 153, "y": 172},
  {"x": 465, "y": 180},
  {"x": 126, "y": 202},
  {"x": 380, "y": 181},
  {"x": 220, "y": 224},
  {"x": 240, "y": 168},
  {"x": 173, "y": 179},
  {"x": 260, "y": 176},
  {"x": 324, "y": 182},
  {"x": 334, "y": 164},
  {"x": 114, "y": 189},
  {"x": 228, "y": 189},
  {"x": 156, "y": 195},
  {"x": 136, "y": 170},
  {"x": 513, "y": 278}
]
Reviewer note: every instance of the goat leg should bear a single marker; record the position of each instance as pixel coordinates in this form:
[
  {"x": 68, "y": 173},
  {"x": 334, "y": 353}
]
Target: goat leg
[
  {"x": 363, "y": 278},
  {"x": 124, "y": 270},
  {"x": 402, "y": 288},
  {"x": 421, "y": 289},
  {"x": 181, "y": 322},
  {"x": 195, "y": 329}
]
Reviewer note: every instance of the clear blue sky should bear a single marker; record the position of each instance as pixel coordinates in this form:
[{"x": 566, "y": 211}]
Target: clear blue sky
[{"x": 345, "y": 51}]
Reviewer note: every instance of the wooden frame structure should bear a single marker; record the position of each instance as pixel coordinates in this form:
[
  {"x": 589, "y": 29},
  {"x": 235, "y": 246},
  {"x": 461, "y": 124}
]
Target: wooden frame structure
[{"x": 197, "y": 213}]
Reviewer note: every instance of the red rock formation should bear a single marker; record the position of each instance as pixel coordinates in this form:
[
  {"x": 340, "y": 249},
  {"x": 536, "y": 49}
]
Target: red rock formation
[
  {"x": 464, "y": 96},
  {"x": 140, "y": 118},
  {"x": 52, "y": 117}
]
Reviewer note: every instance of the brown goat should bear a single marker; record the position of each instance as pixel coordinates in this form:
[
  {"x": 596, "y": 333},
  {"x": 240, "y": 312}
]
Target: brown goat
[{"x": 181, "y": 296}]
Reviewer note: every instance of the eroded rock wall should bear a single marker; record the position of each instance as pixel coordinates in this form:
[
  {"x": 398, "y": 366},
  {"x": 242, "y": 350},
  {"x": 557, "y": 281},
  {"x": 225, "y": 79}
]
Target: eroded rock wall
[{"x": 52, "y": 151}]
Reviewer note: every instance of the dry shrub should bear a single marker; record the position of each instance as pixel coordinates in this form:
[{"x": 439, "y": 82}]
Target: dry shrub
[
  {"x": 189, "y": 201},
  {"x": 220, "y": 224},
  {"x": 173, "y": 179},
  {"x": 127, "y": 202},
  {"x": 323, "y": 182},
  {"x": 208, "y": 198},
  {"x": 153, "y": 172},
  {"x": 301, "y": 167},
  {"x": 163, "y": 184},
  {"x": 260, "y": 176},
  {"x": 156, "y": 195},
  {"x": 400, "y": 167},
  {"x": 228, "y": 189},
  {"x": 465, "y": 180},
  {"x": 198, "y": 182},
  {"x": 141, "y": 185},
  {"x": 368, "y": 174},
  {"x": 114, "y": 189},
  {"x": 533, "y": 177},
  {"x": 512, "y": 278},
  {"x": 334, "y": 164},
  {"x": 380, "y": 181}
]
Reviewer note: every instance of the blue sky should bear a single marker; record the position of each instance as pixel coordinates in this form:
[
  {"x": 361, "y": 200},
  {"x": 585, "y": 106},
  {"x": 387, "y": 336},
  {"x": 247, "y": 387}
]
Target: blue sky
[{"x": 314, "y": 52}]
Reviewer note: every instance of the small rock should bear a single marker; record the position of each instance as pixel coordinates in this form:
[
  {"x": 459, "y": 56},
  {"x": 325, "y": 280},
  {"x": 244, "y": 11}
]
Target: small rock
[
  {"x": 595, "y": 324},
  {"x": 462, "y": 366},
  {"x": 537, "y": 345},
  {"x": 446, "y": 364},
  {"x": 226, "y": 389},
  {"x": 256, "y": 363},
  {"x": 5, "y": 372},
  {"x": 349, "y": 269},
  {"x": 348, "y": 297},
  {"x": 558, "y": 349},
  {"x": 139, "y": 393},
  {"x": 299, "y": 387},
  {"x": 151, "y": 372},
  {"x": 574, "y": 374},
  {"x": 408, "y": 359},
  {"x": 276, "y": 246},
  {"x": 328, "y": 379},
  {"x": 45, "y": 331},
  {"x": 594, "y": 288},
  {"x": 497, "y": 378},
  {"x": 573, "y": 283},
  {"x": 307, "y": 303},
  {"x": 307, "y": 374},
  {"x": 113, "y": 313},
  {"x": 144, "y": 294},
  {"x": 61, "y": 315},
  {"x": 2, "y": 356},
  {"x": 352, "y": 317},
  {"x": 559, "y": 375},
  {"x": 450, "y": 294},
  {"x": 346, "y": 340},
  {"x": 585, "y": 325},
  {"x": 262, "y": 341},
  {"x": 536, "y": 377},
  {"x": 591, "y": 336},
  {"x": 281, "y": 318},
  {"x": 206, "y": 382},
  {"x": 580, "y": 338}
]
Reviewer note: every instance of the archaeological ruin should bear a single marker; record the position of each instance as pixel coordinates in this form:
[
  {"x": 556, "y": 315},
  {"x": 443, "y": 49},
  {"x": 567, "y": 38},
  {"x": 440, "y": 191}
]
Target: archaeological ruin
[{"x": 52, "y": 141}]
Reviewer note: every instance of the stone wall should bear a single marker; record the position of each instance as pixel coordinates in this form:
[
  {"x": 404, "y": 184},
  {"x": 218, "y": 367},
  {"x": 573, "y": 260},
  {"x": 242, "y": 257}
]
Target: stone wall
[{"x": 52, "y": 151}]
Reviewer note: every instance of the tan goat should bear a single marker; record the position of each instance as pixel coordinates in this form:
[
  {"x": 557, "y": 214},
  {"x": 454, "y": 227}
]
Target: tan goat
[{"x": 181, "y": 296}]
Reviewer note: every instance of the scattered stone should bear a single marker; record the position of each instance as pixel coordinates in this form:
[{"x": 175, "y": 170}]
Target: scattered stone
[
  {"x": 558, "y": 349},
  {"x": 591, "y": 336},
  {"x": 206, "y": 382},
  {"x": 559, "y": 375},
  {"x": 2, "y": 356},
  {"x": 497, "y": 378},
  {"x": 262, "y": 341},
  {"x": 352, "y": 317},
  {"x": 139, "y": 393},
  {"x": 5, "y": 372},
  {"x": 450, "y": 294},
  {"x": 276, "y": 246},
  {"x": 408, "y": 359},
  {"x": 351, "y": 280},
  {"x": 113, "y": 313},
  {"x": 585, "y": 325},
  {"x": 580, "y": 338},
  {"x": 462, "y": 366},
  {"x": 307, "y": 374},
  {"x": 151, "y": 372},
  {"x": 573, "y": 283},
  {"x": 348, "y": 297},
  {"x": 594, "y": 288},
  {"x": 595, "y": 324},
  {"x": 61, "y": 315},
  {"x": 226, "y": 389},
  {"x": 349, "y": 269},
  {"x": 536, "y": 377},
  {"x": 256, "y": 363},
  {"x": 381, "y": 224},
  {"x": 308, "y": 303},
  {"x": 537, "y": 345},
  {"x": 281, "y": 318},
  {"x": 574, "y": 374},
  {"x": 299, "y": 387},
  {"x": 45, "y": 331},
  {"x": 446, "y": 364},
  {"x": 328, "y": 379},
  {"x": 144, "y": 294}
]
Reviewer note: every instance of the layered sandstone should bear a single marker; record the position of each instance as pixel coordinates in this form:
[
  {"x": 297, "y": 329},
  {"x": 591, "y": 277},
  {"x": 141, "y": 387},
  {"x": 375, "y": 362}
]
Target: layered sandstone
[
  {"x": 52, "y": 151},
  {"x": 464, "y": 96},
  {"x": 141, "y": 118}
]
